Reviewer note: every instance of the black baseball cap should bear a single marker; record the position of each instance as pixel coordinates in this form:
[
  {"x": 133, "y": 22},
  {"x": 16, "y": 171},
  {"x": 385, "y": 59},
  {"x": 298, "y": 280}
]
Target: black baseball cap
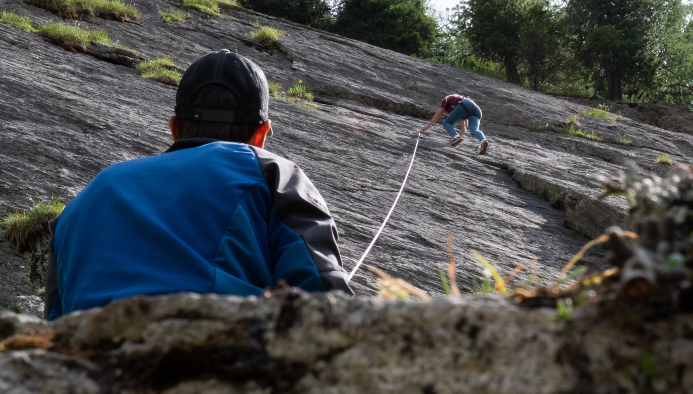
[{"x": 233, "y": 71}]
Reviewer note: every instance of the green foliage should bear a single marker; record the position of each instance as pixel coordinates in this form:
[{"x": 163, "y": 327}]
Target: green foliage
[
  {"x": 18, "y": 21},
  {"x": 267, "y": 36},
  {"x": 598, "y": 113},
  {"x": 107, "y": 9},
  {"x": 665, "y": 159},
  {"x": 573, "y": 120},
  {"x": 444, "y": 281},
  {"x": 72, "y": 38},
  {"x": 211, "y": 6},
  {"x": 399, "y": 25},
  {"x": 493, "y": 29},
  {"x": 23, "y": 227},
  {"x": 297, "y": 94},
  {"x": 298, "y": 90},
  {"x": 614, "y": 39},
  {"x": 485, "y": 287},
  {"x": 161, "y": 70},
  {"x": 174, "y": 16},
  {"x": 557, "y": 201},
  {"x": 625, "y": 141},
  {"x": 543, "y": 193},
  {"x": 574, "y": 131},
  {"x": 564, "y": 310},
  {"x": 314, "y": 13}
]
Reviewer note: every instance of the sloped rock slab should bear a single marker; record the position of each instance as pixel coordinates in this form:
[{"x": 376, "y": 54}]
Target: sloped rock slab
[{"x": 298, "y": 343}]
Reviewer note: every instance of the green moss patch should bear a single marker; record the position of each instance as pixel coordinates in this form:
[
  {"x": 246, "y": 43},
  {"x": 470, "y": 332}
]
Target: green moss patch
[
  {"x": 599, "y": 113},
  {"x": 268, "y": 37},
  {"x": 174, "y": 16},
  {"x": 72, "y": 38},
  {"x": 17, "y": 21},
  {"x": 665, "y": 159},
  {"x": 114, "y": 10},
  {"x": 22, "y": 228},
  {"x": 161, "y": 70}
]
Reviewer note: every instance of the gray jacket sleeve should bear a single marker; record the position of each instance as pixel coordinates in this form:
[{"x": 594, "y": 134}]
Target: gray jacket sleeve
[
  {"x": 299, "y": 205},
  {"x": 51, "y": 273}
]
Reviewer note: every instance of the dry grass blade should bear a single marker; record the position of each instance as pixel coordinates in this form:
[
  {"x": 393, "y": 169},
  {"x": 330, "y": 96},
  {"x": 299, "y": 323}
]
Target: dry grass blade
[
  {"x": 515, "y": 272},
  {"x": 454, "y": 290},
  {"x": 500, "y": 284},
  {"x": 396, "y": 288},
  {"x": 603, "y": 238}
]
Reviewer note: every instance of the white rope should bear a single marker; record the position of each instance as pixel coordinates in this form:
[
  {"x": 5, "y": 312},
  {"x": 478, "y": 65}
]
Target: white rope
[{"x": 368, "y": 249}]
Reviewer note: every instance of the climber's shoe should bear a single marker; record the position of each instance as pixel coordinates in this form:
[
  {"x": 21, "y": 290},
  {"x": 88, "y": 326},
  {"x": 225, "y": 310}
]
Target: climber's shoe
[
  {"x": 456, "y": 141},
  {"x": 483, "y": 147}
]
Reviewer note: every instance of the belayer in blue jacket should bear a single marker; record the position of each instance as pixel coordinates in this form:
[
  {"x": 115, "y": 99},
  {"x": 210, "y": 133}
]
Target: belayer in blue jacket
[{"x": 216, "y": 213}]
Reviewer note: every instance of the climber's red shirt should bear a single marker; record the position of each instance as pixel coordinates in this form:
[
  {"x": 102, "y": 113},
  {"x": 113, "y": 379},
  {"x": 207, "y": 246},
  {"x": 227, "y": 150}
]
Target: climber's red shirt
[{"x": 450, "y": 102}]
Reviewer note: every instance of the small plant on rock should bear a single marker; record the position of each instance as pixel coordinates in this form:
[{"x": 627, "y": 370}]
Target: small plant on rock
[
  {"x": 573, "y": 119},
  {"x": 162, "y": 70},
  {"x": 72, "y": 38},
  {"x": 114, "y": 10},
  {"x": 299, "y": 91},
  {"x": 17, "y": 21},
  {"x": 665, "y": 159},
  {"x": 624, "y": 141},
  {"x": 268, "y": 37},
  {"x": 574, "y": 131},
  {"x": 21, "y": 228},
  {"x": 174, "y": 16},
  {"x": 599, "y": 113},
  {"x": 275, "y": 89},
  {"x": 557, "y": 201}
]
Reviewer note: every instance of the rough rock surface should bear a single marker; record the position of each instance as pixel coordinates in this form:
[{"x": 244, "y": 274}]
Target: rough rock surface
[
  {"x": 297, "y": 343},
  {"x": 65, "y": 116},
  {"x": 657, "y": 113}
]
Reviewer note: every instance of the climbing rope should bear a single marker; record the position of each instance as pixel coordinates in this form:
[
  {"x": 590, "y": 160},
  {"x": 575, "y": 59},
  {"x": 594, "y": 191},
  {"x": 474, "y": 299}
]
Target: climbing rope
[{"x": 368, "y": 249}]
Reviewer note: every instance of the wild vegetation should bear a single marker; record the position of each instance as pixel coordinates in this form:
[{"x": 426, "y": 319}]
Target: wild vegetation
[
  {"x": 665, "y": 159},
  {"x": 18, "y": 21},
  {"x": 174, "y": 16},
  {"x": 573, "y": 130},
  {"x": 211, "y": 6},
  {"x": 619, "y": 50},
  {"x": 162, "y": 70},
  {"x": 297, "y": 93},
  {"x": 22, "y": 227},
  {"x": 267, "y": 36},
  {"x": 72, "y": 38},
  {"x": 79, "y": 9}
]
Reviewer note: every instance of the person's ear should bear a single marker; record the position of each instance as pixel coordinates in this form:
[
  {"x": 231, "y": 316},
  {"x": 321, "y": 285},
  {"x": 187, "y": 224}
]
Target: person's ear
[
  {"x": 173, "y": 125},
  {"x": 258, "y": 139}
]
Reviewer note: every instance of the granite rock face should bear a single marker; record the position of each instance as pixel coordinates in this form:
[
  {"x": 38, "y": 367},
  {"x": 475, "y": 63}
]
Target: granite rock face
[
  {"x": 293, "y": 342},
  {"x": 65, "y": 116}
]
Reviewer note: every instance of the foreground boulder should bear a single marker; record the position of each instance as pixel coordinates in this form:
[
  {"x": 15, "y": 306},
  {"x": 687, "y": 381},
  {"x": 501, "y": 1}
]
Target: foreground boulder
[{"x": 294, "y": 342}]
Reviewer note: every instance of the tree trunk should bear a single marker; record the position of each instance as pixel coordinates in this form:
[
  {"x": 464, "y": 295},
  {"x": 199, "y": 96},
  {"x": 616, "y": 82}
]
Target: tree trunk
[
  {"x": 511, "y": 74},
  {"x": 597, "y": 80},
  {"x": 537, "y": 83},
  {"x": 613, "y": 81}
]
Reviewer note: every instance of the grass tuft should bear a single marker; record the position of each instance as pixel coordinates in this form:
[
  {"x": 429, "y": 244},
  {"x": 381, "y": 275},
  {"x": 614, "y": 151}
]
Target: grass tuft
[
  {"x": 571, "y": 129},
  {"x": 573, "y": 120},
  {"x": 21, "y": 228},
  {"x": 665, "y": 159},
  {"x": 267, "y": 36},
  {"x": 114, "y": 10},
  {"x": 174, "y": 16},
  {"x": 624, "y": 141},
  {"x": 161, "y": 70},
  {"x": 297, "y": 94},
  {"x": 598, "y": 113},
  {"x": 211, "y": 6},
  {"x": 557, "y": 201},
  {"x": 72, "y": 38},
  {"x": 17, "y": 21}
]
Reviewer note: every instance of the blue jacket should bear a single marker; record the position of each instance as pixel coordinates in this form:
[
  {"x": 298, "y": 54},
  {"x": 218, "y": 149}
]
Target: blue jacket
[{"x": 206, "y": 217}]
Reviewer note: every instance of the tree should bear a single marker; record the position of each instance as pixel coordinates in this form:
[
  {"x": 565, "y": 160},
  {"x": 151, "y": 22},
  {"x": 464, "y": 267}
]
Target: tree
[
  {"x": 542, "y": 38},
  {"x": 616, "y": 37},
  {"x": 674, "y": 78},
  {"x": 493, "y": 29},
  {"x": 313, "y": 13},
  {"x": 400, "y": 25}
]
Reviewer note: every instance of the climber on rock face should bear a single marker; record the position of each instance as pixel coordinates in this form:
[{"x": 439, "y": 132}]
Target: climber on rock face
[
  {"x": 215, "y": 213},
  {"x": 461, "y": 108}
]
